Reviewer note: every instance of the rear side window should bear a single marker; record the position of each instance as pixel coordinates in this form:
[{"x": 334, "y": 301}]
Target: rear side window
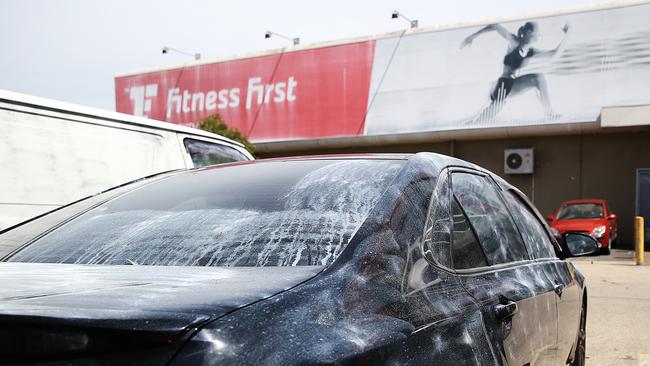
[
  {"x": 205, "y": 153},
  {"x": 534, "y": 234},
  {"x": 467, "y": 252},
  {"x": 489, "y": 217}
]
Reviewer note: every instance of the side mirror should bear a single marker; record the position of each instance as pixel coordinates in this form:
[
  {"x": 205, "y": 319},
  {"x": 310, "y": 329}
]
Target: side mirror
[
  {"x": 550, "y": 217},
  {"x": 580, "y": 244},
  {"x": 612, "y": 216}
]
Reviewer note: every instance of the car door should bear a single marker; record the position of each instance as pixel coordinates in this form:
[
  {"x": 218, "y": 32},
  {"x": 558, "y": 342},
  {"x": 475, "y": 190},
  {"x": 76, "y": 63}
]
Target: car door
[
  {"x": 449, "y": 329},
  {"x": 515, "y": 294},
  {"x": 567, "y": 292}
]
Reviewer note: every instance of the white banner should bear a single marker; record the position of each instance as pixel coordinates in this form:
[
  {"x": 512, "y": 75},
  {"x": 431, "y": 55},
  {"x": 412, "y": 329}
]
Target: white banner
[{"x": 556, "y": 69}]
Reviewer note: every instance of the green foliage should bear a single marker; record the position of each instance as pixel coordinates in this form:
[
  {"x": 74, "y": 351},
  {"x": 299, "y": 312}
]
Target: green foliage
[{"x": 216, "y": 124}]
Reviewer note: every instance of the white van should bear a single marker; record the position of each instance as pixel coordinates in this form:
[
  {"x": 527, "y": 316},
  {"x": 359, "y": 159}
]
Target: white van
[{"x": 54, "y": 153}]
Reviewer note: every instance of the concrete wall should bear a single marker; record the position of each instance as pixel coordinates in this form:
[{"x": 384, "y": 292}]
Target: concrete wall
[{"x": 601, "y": 165}]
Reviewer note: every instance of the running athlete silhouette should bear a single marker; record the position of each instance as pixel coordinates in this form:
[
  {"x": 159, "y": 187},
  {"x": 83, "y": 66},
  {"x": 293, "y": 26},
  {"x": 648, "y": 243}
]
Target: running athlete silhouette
[{"x": 517, "y": 56}]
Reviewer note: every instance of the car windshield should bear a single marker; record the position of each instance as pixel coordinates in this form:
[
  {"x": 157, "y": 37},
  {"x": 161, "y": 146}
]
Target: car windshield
[
  {"x": 581, "y": 211},
  {"x": 278, "y": 213}
]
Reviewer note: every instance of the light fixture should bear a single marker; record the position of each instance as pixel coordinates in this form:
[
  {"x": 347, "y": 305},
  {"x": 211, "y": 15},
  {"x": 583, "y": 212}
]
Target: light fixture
[
  {"x": 268, "y": 34},
  {"x": 396, "y": 14},
  {"x": 197, "y": 56}
]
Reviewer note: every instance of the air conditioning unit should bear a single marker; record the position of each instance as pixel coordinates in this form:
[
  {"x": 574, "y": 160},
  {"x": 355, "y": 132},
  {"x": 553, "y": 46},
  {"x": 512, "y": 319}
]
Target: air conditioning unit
[{"x": 518, "y": 161}]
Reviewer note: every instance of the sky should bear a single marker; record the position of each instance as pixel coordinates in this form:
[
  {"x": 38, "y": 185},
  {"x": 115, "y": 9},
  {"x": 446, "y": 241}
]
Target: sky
[{"x": 71, "y": 50}]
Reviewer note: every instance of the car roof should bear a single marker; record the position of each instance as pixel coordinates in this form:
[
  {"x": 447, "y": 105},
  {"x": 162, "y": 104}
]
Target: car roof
[
  {"x": 439, "y": 161},
  {"x": 434, "y": 162},
  {"x": 369, "y": 156},
  {"x": 379, "y": 156}
]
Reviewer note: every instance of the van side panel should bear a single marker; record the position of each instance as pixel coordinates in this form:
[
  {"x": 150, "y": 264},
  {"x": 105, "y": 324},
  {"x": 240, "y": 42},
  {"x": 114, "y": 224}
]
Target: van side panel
[{"x": 50, "y": 160}]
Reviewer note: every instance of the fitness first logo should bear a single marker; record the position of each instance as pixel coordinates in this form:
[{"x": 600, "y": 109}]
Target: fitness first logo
[
  {"x": 180, "y": 101},
  {"x": 141, "y": 98},
  {"x": 255, "y": 93}
]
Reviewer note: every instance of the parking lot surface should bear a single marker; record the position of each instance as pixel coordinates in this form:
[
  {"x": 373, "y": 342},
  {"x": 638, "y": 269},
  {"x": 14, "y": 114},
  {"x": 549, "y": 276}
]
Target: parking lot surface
[{"x": 618, "y": 320}]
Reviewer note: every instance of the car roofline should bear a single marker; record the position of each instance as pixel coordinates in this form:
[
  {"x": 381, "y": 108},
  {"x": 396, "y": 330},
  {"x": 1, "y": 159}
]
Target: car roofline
[
  {"x": 573, "y": 202},
  {"x": 340, "y": 157},
  {"x": 368, "y": 156}
]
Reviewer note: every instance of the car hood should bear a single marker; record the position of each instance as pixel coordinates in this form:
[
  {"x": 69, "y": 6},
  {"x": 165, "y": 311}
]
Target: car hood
[
  {"x": 159, "y": 303},
  {"x": 578, "y": 225}
]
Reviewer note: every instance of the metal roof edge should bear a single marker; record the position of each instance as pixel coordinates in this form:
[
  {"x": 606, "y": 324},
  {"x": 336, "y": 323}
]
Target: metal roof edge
[{"x": 556, "y": 129}]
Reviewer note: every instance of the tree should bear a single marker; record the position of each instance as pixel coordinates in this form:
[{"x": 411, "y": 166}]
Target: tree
[{"x": 215, "y": 124}]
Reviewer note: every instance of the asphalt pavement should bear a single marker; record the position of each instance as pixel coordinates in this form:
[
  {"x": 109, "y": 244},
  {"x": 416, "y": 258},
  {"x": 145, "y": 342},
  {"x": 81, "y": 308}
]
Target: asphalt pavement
[{"x": 618, "y": 317}]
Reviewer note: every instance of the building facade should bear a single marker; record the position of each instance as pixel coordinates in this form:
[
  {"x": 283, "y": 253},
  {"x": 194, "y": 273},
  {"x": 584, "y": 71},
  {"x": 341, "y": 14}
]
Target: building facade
[{"x": 571, "y": 87}]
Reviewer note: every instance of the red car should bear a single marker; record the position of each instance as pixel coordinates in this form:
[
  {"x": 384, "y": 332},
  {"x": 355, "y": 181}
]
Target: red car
[{"x": 592, "y": 217}]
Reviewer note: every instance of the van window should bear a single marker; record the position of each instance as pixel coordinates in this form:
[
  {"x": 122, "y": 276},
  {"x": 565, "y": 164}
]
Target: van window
[{"x": 204, "y": 153}]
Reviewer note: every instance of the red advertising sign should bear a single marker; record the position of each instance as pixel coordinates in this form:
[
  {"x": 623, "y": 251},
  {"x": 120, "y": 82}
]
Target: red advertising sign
[{"x": 311, "y": 93}]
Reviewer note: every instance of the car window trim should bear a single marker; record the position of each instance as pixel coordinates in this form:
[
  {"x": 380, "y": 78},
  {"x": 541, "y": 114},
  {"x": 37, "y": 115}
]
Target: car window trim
[
  {"x": 477, "y": 270},
  {"x": 429, "y": 257},
  {"x": 493, "y": 268},
  {"x": 539, "y": 218}
]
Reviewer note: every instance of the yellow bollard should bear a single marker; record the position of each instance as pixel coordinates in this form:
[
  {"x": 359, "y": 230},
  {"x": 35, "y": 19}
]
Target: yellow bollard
[{"x": 638, "y": 239}]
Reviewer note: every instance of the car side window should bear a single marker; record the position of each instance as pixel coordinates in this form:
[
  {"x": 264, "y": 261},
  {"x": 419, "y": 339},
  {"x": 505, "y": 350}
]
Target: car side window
[
  {"x": 437, "y": 236},
  {"x": 533, "y": 232},
  {"x": 466, "y": 251},
  {"x": 489, "y": 217}
]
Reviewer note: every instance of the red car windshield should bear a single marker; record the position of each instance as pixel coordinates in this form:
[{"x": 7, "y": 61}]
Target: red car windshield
[{"x": 581, "y": 211}]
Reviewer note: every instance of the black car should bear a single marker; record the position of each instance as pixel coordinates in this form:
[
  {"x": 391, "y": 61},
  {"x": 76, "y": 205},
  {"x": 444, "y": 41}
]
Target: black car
[{"x": 370, "y": 259}]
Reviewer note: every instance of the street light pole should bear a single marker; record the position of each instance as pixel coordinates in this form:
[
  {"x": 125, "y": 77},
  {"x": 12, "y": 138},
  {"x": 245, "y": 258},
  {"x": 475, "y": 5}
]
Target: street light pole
[
  {"x": 165, "y": 49},
  {"x": 396, "y": 14},
  {"x": 268, "y": 34}
]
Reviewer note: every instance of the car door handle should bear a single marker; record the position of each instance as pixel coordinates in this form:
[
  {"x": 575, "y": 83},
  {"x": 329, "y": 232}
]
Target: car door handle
[
  {"x": 505, "y": 311},
  {"x": 558, "y": 289}
]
